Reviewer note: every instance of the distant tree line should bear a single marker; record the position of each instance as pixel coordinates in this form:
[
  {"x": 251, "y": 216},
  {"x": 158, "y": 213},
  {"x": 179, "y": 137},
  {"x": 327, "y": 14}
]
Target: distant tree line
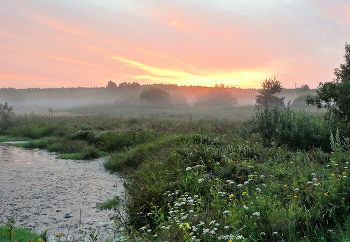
[{"x": 219, "y": 95}]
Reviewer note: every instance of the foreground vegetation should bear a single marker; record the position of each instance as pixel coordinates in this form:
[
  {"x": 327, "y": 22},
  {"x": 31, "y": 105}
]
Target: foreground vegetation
[
  {"x": 281, "y": 176},
  {"x": 8, "y": 232}
]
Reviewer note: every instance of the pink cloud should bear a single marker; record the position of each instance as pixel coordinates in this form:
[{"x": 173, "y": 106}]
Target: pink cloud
[{"x": 72, "y": 43}]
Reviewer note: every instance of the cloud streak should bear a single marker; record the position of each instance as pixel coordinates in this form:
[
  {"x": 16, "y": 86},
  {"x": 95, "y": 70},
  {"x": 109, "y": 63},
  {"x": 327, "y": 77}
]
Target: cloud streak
[{"x": 192, "y": 42}]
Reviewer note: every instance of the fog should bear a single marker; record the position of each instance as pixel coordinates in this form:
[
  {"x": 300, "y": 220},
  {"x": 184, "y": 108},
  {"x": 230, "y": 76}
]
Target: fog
[{"x": 127, "y": 95}]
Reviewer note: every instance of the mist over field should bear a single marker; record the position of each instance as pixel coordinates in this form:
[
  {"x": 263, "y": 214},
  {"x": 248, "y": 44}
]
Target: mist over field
[{"x": 124, "y": 100}]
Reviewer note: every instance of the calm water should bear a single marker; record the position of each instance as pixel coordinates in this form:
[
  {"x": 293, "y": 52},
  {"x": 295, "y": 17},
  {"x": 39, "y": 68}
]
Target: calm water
[{"x": 60, "y": 196}]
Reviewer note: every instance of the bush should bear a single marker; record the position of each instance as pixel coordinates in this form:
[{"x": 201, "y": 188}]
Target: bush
[
  {"x": 6, "y": 114},
  {"x": 300, "y": 101},
  {"x": 298, "y": 130},
  {"x": 156, "y": 96}
]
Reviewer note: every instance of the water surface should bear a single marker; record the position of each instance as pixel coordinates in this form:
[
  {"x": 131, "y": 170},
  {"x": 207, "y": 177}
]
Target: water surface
[{"x": 60, "y": 196}]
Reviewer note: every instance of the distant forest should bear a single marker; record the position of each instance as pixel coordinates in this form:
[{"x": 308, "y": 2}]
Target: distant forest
[{"x": 128, "y": 94}]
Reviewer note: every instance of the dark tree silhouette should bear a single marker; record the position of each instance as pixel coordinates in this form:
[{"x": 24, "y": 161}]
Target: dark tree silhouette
[
  {"x": 111, "y": 86},
  {"x": 219, "y": 95},
  {"x": 267, "y": 96},
  {"x": 156, "y": 96},
  {"x": 335, "y": 95}
]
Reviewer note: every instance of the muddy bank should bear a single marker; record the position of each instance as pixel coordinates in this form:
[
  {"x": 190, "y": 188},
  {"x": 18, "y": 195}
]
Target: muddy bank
[{"x": 59, "y": 196}]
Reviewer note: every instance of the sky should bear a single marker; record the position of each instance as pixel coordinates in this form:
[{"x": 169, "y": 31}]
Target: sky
[{"x": 239, "y": 43}]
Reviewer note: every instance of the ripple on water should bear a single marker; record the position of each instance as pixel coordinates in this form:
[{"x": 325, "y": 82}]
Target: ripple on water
[{"x": 59, "y": 196}]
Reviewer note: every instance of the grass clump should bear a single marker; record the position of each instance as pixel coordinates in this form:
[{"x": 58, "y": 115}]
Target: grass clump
[
  {"x": 10, "y": 233},
  {"x": 110, "y": 204}
]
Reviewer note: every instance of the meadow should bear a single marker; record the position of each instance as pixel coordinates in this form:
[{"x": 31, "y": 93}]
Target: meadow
[{"x": 210, "y": 174}]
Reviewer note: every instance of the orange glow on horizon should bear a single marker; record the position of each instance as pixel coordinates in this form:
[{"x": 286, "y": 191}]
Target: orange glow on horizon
[{"x": 244, "y": 79}]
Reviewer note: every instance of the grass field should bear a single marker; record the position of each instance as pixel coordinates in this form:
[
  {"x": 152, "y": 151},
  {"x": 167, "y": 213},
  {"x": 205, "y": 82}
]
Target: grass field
[
  {"x": 228, "y": 174},
  {"x": 178, "y": 113}
]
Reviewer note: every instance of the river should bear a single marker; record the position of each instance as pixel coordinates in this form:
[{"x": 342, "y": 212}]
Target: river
[{"x": 44, "y": 193}]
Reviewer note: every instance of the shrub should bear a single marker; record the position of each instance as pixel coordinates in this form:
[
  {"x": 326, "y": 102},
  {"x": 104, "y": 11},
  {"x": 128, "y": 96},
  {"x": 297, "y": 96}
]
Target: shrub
[
  {"x": 6, "y": 113},
  {"x": 298, "y": 130},
  {"x": 156, "y": 96},
  {"x": 300, "y": 101}
]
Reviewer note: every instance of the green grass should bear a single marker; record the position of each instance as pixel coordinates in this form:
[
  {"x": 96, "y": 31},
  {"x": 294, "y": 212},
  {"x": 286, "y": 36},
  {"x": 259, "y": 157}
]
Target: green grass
[
  {"x": 81, "y": 156},
  {"x": 229, "y": 194},
  {"x": 31, "y": 144},
  {"x": 21, "y": 234},
  {"x": 177, "y": 113},
  {"x": 110, "y": 204},
  {"x": 276, "y": 177},
  {"x": 7, "y": 138}
]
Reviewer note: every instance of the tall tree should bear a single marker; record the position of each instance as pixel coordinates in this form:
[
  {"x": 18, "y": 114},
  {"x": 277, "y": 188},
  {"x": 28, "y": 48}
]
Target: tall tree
[
  {"x": 267, "y": 96},
  {"x": 335, "y": 95},
  {"x": 111, "y": 86}
]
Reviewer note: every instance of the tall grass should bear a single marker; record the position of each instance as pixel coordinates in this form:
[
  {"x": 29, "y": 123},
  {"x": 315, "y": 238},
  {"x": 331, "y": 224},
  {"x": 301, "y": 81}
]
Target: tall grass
[
  {"x": 282, "y": 176},
  {"x": 221, "y": 192}
]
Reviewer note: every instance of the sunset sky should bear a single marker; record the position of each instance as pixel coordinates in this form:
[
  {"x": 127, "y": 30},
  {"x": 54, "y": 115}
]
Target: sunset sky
[{"x": 71, "y": 43}]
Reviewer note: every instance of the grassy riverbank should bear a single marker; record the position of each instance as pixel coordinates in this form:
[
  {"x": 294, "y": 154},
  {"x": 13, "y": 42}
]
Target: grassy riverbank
[
  {"x": 277, "y": 177},
  {"x": 9, "y": 232}
]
